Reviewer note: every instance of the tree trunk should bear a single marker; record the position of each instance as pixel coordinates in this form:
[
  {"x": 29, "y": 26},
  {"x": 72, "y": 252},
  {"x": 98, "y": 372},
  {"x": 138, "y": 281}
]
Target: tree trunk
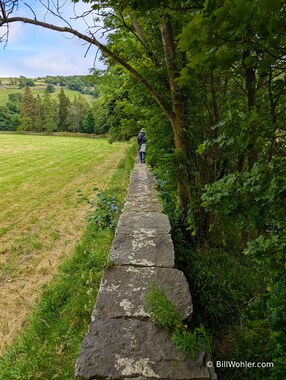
[
  {"x": 141, "y": 37},
  {"x": 215, "y": 131},
  {"x": 250, "y": 82},
  {"x": 177, "y": 119},
  {"x": 273, "y": 105},
  {"x": 251, "y": 99}
]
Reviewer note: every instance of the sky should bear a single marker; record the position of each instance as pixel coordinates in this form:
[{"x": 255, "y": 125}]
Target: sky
[{"x": 33, "y": 51}]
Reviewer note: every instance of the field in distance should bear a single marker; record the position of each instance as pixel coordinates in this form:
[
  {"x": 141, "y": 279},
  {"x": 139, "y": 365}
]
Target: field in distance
[
  {"x": 40, "y": 86},
  {"x": 41, "y": 214}
]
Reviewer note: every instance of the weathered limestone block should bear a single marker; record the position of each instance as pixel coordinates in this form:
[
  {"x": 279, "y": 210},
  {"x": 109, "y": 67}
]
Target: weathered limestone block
[
  {"x": 128, "y": 222},
  {"x": 143, "y": 247},
  {"x": 130, "y": 348},
  {"x": 137, "y": 186},
  {"x": 147, "y": 205},
  {"x": 142, "y": 188},
  {"x": 143, "y": 175},
  {"x": 143, "y": 178},
  {"x": 124, "y": 289},
  {"x": 140, "y": 199}
]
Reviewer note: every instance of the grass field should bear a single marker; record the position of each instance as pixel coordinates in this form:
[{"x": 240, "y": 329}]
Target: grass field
[
  {"x": 49, "y": 343},
  {"x": 41, "y": 214}
]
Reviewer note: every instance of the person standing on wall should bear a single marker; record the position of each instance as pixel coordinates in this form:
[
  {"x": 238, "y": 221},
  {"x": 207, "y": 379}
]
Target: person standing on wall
[{"x": 142, "y": 139}]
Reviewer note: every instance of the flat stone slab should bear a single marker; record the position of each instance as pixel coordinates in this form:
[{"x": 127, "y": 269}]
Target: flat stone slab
[
  {"x": 140, "y": 187},
  {"x": 139, "y": 180},
  {"x": 143, "y": 175},
  {"x": 124, "y": 289},
  {"x": 143, "y": 247},
  {"x": 128, "y": 348},
  {"x": 128, "y": 222},
  {"x": 140, "y": 199},
  {"x": 141, "y": 194},
  {"x": 147, "y": 205}
]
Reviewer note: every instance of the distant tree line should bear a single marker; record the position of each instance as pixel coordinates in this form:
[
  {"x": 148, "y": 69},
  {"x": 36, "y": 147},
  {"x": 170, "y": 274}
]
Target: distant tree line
[
  {"x": 80, "y": 83},
  {"x": 27, "y": 112},
  {"x": 74, "y": 82},
  {"x": 24, "y": 82}
]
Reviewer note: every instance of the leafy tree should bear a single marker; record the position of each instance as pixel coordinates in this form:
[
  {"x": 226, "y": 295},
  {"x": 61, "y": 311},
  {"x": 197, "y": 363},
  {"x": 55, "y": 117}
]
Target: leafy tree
[
  {"x": 15, "y": 97},
  {"x": 26, "y": 124},
  {"x": 76, "y": 114},
  {"x": 81, "y": 105},
  {"x": 26, "y": 82},
  {"x": 14, "y": 102},
  {"x": 49, "y": 113},
  {"x": 38, "y": 115},
  {"x": 27, "y": 110},
  {"x": 74, "y": 123},
  {"x": 51, "y": 88},
  {"x": 9, "y": 121},
  {"x": 95, "y": 80},
  {"x": 102, "y": 121},
  {"x": 241, "y": 42},
  {"x": 89, "y": 122},
  {"x": 63, "y": 110}
]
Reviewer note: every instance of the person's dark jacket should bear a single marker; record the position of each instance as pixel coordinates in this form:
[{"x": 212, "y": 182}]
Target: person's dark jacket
[{"x": 141, "y": 138}]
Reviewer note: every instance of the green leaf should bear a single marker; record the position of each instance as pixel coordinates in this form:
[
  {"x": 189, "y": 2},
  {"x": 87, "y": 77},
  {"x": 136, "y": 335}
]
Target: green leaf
[{"x": 201, "y": 149}]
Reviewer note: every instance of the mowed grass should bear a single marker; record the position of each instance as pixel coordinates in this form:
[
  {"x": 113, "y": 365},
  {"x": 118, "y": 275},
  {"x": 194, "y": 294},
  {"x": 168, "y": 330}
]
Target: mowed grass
[
  {"x": 48, "y": 345},
  {"x": 41, "y": 214}
]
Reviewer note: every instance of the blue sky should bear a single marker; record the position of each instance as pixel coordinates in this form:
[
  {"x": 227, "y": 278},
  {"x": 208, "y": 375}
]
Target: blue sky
[{"x": 33, "y": 51}]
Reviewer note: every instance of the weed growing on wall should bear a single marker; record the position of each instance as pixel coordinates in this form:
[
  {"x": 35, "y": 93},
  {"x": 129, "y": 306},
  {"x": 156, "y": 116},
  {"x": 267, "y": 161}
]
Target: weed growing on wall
[
  {"x": 192, "y": 342},
  {"x": 165, "y": 314}
]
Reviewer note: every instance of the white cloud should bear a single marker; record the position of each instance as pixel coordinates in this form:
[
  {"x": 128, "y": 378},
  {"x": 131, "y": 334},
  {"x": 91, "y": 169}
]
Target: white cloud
[
  {"x": 8, "y": 70},
  {"x": 33, "y": 51},
  {"x": 20, "y": 48},
  {"x": 56, "y": 63}
]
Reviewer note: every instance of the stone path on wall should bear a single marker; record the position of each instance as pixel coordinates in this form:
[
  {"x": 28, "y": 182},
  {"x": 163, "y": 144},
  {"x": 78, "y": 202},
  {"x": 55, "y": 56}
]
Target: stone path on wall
[{"x": 122, "y": 342}]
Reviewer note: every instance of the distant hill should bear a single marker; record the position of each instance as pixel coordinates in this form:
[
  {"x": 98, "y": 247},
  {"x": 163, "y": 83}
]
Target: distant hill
[{"x": 73, "y": 85}]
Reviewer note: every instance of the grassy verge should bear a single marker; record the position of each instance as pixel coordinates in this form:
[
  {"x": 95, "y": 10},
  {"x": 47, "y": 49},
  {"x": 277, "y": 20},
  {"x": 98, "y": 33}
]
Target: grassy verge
[{"x": 48, "y": 347}]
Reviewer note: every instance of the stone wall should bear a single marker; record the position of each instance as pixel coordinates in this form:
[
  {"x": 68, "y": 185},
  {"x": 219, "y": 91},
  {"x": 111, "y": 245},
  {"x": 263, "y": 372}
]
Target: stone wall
[{"x": 121, "y": 341}]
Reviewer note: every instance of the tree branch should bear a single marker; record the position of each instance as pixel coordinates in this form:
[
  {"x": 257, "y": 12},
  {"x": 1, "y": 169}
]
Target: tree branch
[
  {"x": 3, "y": 11},
  {"x": 103, "y": 48},
  {"x": 27, "y": 5},
  {"x": 141, "y": 37}
]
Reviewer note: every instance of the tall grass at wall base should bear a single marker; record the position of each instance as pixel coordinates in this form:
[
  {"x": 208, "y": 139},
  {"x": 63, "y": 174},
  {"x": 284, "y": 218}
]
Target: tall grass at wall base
[{"x": 49, "y": 345}]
